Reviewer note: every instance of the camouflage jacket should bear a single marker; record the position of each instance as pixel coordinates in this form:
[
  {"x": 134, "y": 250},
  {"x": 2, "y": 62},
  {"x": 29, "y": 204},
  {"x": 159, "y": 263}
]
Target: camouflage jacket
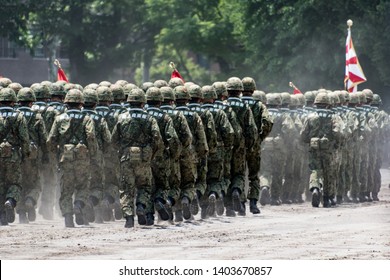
[
  {"x": 103, "y": 134},
  {"x": 13, "y": 130},
  {"x": 48, "y": 113},
  {"x": 232, "y": 117}
]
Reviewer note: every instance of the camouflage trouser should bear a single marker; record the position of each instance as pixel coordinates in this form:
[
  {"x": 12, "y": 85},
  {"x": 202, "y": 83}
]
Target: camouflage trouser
[
  {"x": 201, "y": 180},
  {"x": 298, "y": 179},
  {"x": 377, "y": 173},
  {"x": 322, "y": 174},
  {"x": 136, "y": 184},
  {"x": 31, "y": 186},
  {"x": 50, "y": 187},
  {"x": 355, "y": 188},
  {"x": 341, "y": 183},
  {"x": 188, "y": 172},
  {"x": 371, "y": 166},
  {"x": 74, "y": 180},
  {"x": 111, "y": 176},
  {"x": 11, "y": 178},
  {"x": 174, "y": 180},
  {"x": 227, "y": 161},
  {"x": 347, "y": 168},
  {"x": 338, "y": 180},
  {"x": 272, "y": 170},
  {"x": 237, "y": 170},
  {"x": 97, "y": 177},
  {"x": 364, "y": 158},
  {"x": 289, "y": 168},
  {"x": 161, "y": 171},
  {"x": 253, "y": 162}
]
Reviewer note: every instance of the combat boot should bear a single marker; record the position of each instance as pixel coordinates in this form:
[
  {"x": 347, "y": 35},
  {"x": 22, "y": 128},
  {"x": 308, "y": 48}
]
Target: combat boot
[
  {"x": 220, "y": 207},
  {"x": 368, "y": 195},
  {"x": 23, "y": 217},
  {"x": 194, "y": 206},
  {"x": 3, "y": 219},
  {"x": 242, "y": 211},
  {"x": 230, "y": 212},
  {"x": 315, "y": 198},
  {"x": 129, "y": 222},
  {"x": 203, "y": 213},
  {"x": 347, "y": 199},
  {"x": 140, "y": 211},
  {"x": 253, "y": 207},
  {"x": 118, "y": 210},
  {"x": 149, "y": 219},
  {"x": 375, "y": 197},
  {"x": 265, "y": 197},
  {"x": 275, "y": 202},
  {"x": 362, "y": 197},
  {"x": 355, "y": 198},
  {"x": 161, "y": 209},
  {"x": 339, "y": 199},
  {"x": 236, "y": 200},
  {"x": 106, "y": 210},
  {"x": 178, "y": 216},
  {"x": 78, "y": 211},
  {"x": 211, "y": 205},
  {"x": 300, "y": 199},
  {"x": 31, "y": 213},
  {"x": 9, "y": 209},
  {"x": 186, "y": 208},
  {"x": 326, "y": 202},
  {"x": 69, "y": 220},
  {"x": 98, "y": 214},
  {"x": 332, "y": 201}
]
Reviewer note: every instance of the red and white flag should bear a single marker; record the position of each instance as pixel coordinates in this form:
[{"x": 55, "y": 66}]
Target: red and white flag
[
  {"x": 353, "y": 72},
  {"x": 61, "y": 76},
  {"x": 175, "y": 73},
  {"x": 296, "y": 90}
]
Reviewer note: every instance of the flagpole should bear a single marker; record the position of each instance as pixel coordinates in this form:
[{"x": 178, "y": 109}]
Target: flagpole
[{"x": 349, "y": 24}]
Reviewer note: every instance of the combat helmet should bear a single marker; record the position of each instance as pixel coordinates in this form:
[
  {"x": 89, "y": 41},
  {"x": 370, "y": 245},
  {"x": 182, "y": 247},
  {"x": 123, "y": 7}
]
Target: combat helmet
[
  {"x": 105, "y": 83},
  {"x": 128, "y": 87},
  {"x": 369, "y": 94},
  {"x": 309, "y": 96},
  {"x": 260, "y": 96},
  {"x": 209, "y": 92},
  {"x": 195, "y": 91},
  {"x": 341, "y": 96},
  {"x": 160, "y": 83},
  {"x": 234, "y": 84},
  {"x": 301, "y": 98},
  {"x": 69, "y": 86},
  {"x": 15, "y": 86},
  {"x": 286, "y": 98},
  {"x": 41, "y": 91},
  {"x": 57, "y": 89},
  {"x": 249, "y": 84},
  {"x": 181, "y": 92},
  {"x": 118, "y": 93},
  {"x": 174, "y": 82},
  {"x": 121, "y": 82},
  {"x": 145, "y": 86},
  {"x": 274, "y": 99},
  {"x": 362, "y": 97},
  {"x": 104, "y": 94},
  {"x": 92, "y": 86},
  {"x": 74, "y": 96},
  {"x": 220, "y": 89},
  {"x": 154, "y": 94},
  {"x": 4, "y": 82},
  {"x": 295, "y": 102},
  {"x": 168, "y": 93},
  {"x": 7, "y": 95},
  {"x": 136, "y": 95},
  {"x": 376, "y": 100},
  {"x": 90, "y": 96},
  {"x": 26, "y": 94},
  {"x": 322, "y": 98},
  {"x": 353, "y": 98}
]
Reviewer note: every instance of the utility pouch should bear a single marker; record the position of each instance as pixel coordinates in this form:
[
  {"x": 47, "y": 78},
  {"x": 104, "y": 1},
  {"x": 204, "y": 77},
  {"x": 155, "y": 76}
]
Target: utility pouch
[
  {"x": 81, "y": 151},
  {"x": 146, "y": 154},
  {"x": 5, "y": 150},
  {"x": 68, "y": 153},
  {"x": 315, "y": 143},
  {"x": 324, "y": 143},
  {"x": 135, "y": 154}
]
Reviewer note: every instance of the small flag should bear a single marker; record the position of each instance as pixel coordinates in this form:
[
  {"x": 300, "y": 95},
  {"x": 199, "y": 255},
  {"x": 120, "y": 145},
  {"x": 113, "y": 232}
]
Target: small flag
[
  {"x": 175, "y": 73},
  {"x": 61, "y": 76},
  {"x": 296, "y": 90},
  {"x": 353, "y": 72}
]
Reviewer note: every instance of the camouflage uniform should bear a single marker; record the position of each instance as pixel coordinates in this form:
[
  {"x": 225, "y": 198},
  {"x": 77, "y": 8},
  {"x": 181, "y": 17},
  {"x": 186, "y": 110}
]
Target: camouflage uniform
[
  {"x": 322, "y": 132},
  {"x": 73, "y": 138},
  {"x": 184, "y": 133},
  {"x": 137, "y": 138},
  {"x": 250, "y": 134},
  {"x": 15, "y": 148},
  {"x": 198, "y": 149},
  {"x": 30, "y": 167},
  {"x": 161, "y": 165}
]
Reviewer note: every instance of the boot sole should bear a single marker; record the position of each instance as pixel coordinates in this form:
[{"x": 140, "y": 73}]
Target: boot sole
[
  {"x": 265, "y": 197},
  {"x": 220, "y": 207},
  {"x": 79, "y": 215},
  {"x": 141, "y": 216},
  {"x": 162, "y": 211},
  {"x": 315, "y": 200},
  {"x": 236, "y": 202},
  {"x": 186, "y": 211},
  {"x": 194, "y": 207},
  {"x": 211, "y": 206}
]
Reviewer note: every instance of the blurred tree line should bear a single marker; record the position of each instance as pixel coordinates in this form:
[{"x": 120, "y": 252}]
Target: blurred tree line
[{"x": 273, "y": 41}]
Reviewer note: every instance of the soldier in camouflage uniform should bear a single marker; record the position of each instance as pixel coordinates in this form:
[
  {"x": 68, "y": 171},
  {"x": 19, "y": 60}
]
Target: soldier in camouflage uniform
[
  {"x": 111, "y": 162},
  {"x": 73, "y": 138},
  {"x": 220, "y": 103},
  {"x": 161, "y": 165},
  {"x": 322, "y": 132},
  {"x": 137, "y": 138},
  {"x": 184, "y": 133},
  {"x": 31, "y": 186},
  {"x": 103, "y": 137},
  {"x": 14, "y": 149},
  {"x": 191, "y": 156},
  {"x": 249, "y": 137},
  {"x": 253, "y": 158},
  {"x": 196, "y": 94},
  {"x": 215, "y": 160}
]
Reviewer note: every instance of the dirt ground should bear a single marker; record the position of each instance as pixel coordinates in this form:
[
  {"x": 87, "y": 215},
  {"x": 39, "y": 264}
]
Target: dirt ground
[{"x": 286, "y": 232}]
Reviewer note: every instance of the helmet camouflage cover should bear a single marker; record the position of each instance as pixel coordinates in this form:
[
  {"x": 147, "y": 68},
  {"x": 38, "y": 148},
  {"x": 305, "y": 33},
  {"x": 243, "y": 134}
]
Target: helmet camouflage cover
[
  {"x": 167, "y": 93},
  {"x": 234, "y": 84},
  {"x": 209, "y": 92},
  {"x": 26, "y": 94},
  {"x": 154, "y": 94},
  {"x": 136, "y": 95},
  {"x": 181, "y": 92},
  {"x": 90, "y": 96},
  {"x": 7, "y": 94},
  {"x": 74, "y": 96},
  {"x": 249, "y": 84}
]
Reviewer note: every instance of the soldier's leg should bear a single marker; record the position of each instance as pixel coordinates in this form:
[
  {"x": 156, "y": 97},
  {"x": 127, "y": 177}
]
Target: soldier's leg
[
  {"x": 237, "y": 186},
  {"x": 67, "y": 188},
  {"x": 13, "y": 179},
  {"x": 127, "y": 193},
  {"x": 278, "y": 162},
  {"x": 253, "y": 163},
  {"x": 266, "y": 174},
  {"x": 289, "y": 166},
  {"x": 143, "y": 183},
  {"x": 363, "y": 175},
  {"x": 159, "y": 199},
  {"x": 356, "y": 178}
]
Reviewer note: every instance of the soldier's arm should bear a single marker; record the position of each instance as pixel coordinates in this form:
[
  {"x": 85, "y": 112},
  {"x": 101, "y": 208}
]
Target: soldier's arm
[
  {"x": 266, "y": 121},
  {"x": 227, "y": 130},
  {"x": 52, "y": 139},
  {"x": 251, "y": 133},
  {"x": 157, "y": 141},
  {"x": 23, "y": 136},
  {"x": 173, "y": 140},
  {"x": 106, "y": 134},
  {"x": 89, "y": 127},
  {"x": 201, "y": 143},
  {"x": 42, "y": 137},
  {"x": 211, "y": 132}
]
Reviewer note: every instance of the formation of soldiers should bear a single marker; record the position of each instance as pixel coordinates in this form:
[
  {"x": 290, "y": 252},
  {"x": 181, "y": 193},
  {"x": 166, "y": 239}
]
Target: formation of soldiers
[{"x": 111, "y": 151}]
